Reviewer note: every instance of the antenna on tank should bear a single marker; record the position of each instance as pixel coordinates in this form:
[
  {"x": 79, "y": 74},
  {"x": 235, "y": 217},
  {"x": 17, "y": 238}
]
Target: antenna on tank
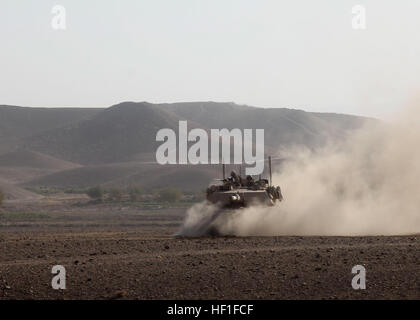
[
  {"x": 223, "y": 168},
  {"x": 269, "y": 168}
]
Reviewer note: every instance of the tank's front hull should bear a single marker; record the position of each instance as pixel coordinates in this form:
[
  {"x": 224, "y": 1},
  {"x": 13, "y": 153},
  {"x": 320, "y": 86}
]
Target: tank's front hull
[{"x": 240, "y": 198}]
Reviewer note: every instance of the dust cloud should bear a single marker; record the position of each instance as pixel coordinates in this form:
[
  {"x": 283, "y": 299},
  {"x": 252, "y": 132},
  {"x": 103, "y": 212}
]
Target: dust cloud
[
  {"x": 200, "y": 220},
  {"x": 367, "y": 185}
]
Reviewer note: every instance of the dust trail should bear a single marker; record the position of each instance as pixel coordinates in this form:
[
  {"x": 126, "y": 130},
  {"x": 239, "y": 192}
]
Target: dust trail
[
  {"x": 200, "y": 221},
  {"x": 368, "y": 185}
]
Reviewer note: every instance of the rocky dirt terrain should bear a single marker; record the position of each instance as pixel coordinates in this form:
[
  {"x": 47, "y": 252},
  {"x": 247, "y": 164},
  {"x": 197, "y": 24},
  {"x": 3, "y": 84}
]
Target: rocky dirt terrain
[{"x": 128, "y": 252}]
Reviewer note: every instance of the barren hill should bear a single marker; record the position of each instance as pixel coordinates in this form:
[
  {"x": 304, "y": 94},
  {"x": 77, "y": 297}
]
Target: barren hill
[
  {"x": 13, "y": 192},
  {"x": 31, "y": 159},
  {"x": 116, "y": 146},
  {"x": 23, "y": 165},
  {"x": 113, "y": 135},
  {"x": 282, "y": 126},
  {"x": 19, "y": 122},
  {"x": 120, "y": 133}
]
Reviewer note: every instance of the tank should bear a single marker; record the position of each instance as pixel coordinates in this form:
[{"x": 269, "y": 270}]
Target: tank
[{"x": 240, "y": 192}]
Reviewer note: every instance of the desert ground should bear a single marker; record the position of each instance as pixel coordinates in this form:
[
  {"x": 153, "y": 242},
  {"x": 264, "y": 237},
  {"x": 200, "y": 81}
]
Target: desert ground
[{"x": 118, "y": 251}]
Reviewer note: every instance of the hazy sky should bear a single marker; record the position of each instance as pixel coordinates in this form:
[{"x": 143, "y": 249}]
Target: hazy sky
[{"x": 297, "y": 54}]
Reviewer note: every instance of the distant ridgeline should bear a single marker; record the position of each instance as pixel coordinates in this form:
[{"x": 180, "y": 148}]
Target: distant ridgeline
[{"x": 81, "y": 147}]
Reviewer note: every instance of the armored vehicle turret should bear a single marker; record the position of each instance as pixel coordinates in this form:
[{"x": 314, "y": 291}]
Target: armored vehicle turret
[{"x": 238, "y": 192}]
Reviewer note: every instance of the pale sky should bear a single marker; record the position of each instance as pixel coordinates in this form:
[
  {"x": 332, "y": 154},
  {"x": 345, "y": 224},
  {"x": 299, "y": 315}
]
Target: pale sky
[{"x": 297, "y": 53}]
